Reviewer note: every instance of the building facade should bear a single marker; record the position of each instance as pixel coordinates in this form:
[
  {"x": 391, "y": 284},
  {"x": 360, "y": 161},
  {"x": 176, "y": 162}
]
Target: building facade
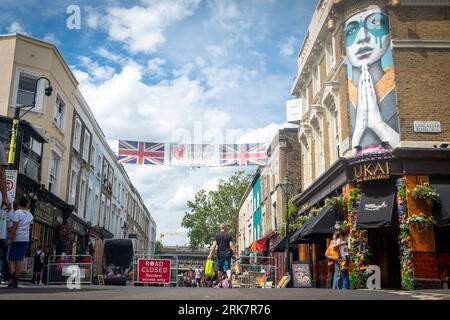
[
  {"x": 373, "y": 98},
  {"x": 66, "y": 163}
]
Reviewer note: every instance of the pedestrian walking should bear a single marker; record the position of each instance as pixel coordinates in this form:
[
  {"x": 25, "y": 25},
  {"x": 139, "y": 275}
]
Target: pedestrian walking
[
  {"x": 333, "y": 255},
  {"x": 18, "y": 239},
  {"x": 198, "y": 275},
  {"x": 225, "y": 251},
  {"x": 47, "y": 252},
  {"x": 5, "y": 219},
  {"x": 344, "y": 260},
  {"x": 38, "y": 266}
]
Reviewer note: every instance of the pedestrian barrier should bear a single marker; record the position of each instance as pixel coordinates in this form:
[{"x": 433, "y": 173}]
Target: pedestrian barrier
[
  {"x": 26, "y": 269},
  {"x": 173, "y": 268},
  {"x": 60, "y": 268},
  {"x": 256, "y": 272}
]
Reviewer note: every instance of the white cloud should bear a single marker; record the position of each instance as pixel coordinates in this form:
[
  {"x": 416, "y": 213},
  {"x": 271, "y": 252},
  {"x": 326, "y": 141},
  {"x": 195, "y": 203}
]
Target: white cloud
[
  {"x": 51, "y": 38},
  {"x": 105, "y": 53},
  {"x": 288, "y": 46},
  {"x": 141, "y": 28},
  {"x": 16, "y": 27},
  {"x": 93, "y": 17},
  {"x": 155, "y": 67},
  {"x": 97, "y": 72}
]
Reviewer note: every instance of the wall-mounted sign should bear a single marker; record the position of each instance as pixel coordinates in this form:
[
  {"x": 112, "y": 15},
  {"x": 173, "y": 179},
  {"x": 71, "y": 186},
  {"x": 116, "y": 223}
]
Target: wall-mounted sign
[
  {"x": 427, "y": 126},
  {"x": 294, "y": 110},
  {"x": 11, "y": 183},
  {"x": 371, "y": 171},
  {"x": 345, "y": 145},
  {"x": 44, "y": 213}
]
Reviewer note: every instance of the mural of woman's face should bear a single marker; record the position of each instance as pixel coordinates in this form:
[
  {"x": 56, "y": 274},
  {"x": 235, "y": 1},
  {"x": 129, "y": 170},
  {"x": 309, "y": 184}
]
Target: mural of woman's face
[{"x": 367, "y": 36}]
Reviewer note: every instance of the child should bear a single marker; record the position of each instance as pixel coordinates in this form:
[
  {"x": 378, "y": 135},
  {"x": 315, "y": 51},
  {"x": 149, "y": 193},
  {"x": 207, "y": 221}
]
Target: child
[{"x": 18, "y": 239}]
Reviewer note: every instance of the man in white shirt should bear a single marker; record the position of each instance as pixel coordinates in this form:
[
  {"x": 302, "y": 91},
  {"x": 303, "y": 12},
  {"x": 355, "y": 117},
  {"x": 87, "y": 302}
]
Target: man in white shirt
[
  {"x": 4, "y": 218},
  {"x": 18, "y": 239}
]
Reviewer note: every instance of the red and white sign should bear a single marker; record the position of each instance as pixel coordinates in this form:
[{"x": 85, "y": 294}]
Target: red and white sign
[{"x": 153, "y": 271}]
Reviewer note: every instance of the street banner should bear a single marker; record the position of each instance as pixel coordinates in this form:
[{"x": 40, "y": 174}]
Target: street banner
[
  {"x": 193, "y": 155},
  {"x": 153, "y": 271}
]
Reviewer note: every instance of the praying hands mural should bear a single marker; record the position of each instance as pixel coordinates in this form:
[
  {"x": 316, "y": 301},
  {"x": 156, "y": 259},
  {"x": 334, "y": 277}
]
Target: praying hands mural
[{"x": 373, "y": 107}]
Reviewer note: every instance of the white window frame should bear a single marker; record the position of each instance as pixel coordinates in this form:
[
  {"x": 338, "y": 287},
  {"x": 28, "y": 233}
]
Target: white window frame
[
  {"x": 57, "y": 117},
  {"x": 86, "y": 145},
  {"x": 73, "y": 186},
  {"x": 82, "y": 198},
  {"x": 77, "y": 134},
  {"x": 92, "y": 155},
  {"x": 316, "y": 79},
  {"x": 39, "y": 93},
  {"x": 55, "y": 190},
  {"x": 330, "y": 54}
]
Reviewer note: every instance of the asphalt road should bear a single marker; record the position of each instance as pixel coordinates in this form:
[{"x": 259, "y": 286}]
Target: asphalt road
[{"x": 27, "y": 292}]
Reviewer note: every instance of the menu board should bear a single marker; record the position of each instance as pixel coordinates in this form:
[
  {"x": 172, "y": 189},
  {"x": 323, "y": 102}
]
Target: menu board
[{"x": 301, "y": 275}]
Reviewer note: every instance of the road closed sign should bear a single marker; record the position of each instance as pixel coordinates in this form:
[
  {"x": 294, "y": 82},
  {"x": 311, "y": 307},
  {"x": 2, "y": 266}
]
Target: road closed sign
[{"x": 154, "y": 271}]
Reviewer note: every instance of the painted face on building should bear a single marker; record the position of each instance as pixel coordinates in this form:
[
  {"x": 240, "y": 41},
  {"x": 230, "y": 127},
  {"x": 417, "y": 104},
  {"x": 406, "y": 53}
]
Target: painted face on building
[{"x": 367, "y": 36}]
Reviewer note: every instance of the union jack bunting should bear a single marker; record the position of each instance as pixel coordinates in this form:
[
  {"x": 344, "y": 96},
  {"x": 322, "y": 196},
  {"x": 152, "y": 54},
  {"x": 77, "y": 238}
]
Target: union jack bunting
[
  {"x": 137, "y": 152},
  {"x": 243, "y": 154}
]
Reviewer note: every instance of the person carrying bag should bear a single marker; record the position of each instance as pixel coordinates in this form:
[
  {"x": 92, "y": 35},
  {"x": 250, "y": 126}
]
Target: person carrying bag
[{"x": 209, "y": 268}]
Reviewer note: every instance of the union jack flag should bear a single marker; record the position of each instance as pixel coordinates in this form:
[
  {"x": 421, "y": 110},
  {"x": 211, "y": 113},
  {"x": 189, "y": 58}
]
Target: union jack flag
[
  {"x": 243, "y": 154},
  {"x": 137, "y": 152}
]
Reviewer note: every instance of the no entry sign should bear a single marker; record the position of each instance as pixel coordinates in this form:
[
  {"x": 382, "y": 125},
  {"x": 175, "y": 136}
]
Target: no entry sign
[{"x": 153, "y": 271}]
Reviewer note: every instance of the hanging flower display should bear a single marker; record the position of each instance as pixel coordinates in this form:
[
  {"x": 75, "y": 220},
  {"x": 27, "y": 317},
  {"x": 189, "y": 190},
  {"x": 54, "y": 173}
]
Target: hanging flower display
[
  {"x": 404, "y": 238},
  {"x": 64, "y": 233},
  {"x": 420, "y": 222},
  {"x": 359, "y": 244},
  {"x": 424, "y": 192}
]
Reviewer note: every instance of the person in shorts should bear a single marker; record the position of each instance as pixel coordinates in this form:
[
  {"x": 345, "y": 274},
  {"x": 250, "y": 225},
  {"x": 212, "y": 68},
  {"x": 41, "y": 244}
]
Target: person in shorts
[
  {"x": 18, "y": 239},
  {"x": 225, "y": 251},
  {"x": 38, "y": 266}
]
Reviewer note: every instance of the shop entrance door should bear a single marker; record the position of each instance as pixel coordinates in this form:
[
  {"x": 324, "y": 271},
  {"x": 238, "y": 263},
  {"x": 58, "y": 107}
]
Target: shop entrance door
[{"x": 385, "y": 251}]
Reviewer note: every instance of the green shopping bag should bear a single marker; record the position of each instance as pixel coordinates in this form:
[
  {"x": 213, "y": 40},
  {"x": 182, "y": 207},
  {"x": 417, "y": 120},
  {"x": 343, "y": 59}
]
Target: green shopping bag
[{"x": 209, "y": 268}]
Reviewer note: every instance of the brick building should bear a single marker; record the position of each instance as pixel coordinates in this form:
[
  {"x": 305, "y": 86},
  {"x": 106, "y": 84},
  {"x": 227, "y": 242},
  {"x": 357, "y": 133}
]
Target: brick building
[{"x": 373, "y": 90}]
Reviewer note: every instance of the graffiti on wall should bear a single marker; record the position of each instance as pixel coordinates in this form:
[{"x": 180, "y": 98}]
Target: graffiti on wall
[{"x": 371, "y": 80}]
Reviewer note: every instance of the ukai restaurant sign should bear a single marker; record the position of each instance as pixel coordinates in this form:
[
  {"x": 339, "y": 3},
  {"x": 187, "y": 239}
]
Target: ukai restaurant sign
[{"x": 374, "y": 170}]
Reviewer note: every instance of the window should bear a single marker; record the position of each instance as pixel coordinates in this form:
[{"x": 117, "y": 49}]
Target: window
[
  {"x": 329, "y": 51},
  {"x": 316, "y": 79},
  {"x": 55, "y": 164},
  {"x": 319, "y": 155},
  {"x": 98, "y": 163},
  {"x": 110, "y": 177},
  {"x": 334, "y": 134},
  {"x": 73, "y": 187},
  {"x": 60, "y": 107},
  {"x": 89, "y": 199},
  {"x": 108, "y": 214},
  {"x": 30, "y": 157},
  {"x": 92, "y": 157},
  {"x": 86, "y": 145},
  {"x": 26, "y": 89},
  {"x": 274, "y": 206},
  {"x": 105, "y": 173},
  {"x": 82, "y": 203},
  {"x": 77, "y": 135},
  {"x": 95, "y": 210},
  {"x": 102, "y": 212}
]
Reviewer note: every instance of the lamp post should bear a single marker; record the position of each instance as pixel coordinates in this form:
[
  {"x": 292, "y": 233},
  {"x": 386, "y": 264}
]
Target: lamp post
[
  {"x": 12, "y": 146},
  {"x": 286, "y": 186}
]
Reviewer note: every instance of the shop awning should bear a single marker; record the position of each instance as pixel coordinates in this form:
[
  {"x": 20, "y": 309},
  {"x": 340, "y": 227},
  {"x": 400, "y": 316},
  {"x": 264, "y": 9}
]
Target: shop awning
[
  {"x": 375, "y": 209},
  {"x": 296, "y": 238},
  {"x": 442, "y": 207},
  {"x": 259, "y": 245},
  {"x": 322, "y": 225},
  {"x": 280, "y": 245}
]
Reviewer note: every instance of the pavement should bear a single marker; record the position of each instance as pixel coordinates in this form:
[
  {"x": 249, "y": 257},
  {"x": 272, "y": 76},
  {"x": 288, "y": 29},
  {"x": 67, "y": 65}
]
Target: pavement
[{"x": 91, "y": 292}]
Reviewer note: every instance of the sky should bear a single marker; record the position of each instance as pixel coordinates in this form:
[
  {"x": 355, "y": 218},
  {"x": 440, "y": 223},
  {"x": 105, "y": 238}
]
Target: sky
[{"x": 198, "y": 71}]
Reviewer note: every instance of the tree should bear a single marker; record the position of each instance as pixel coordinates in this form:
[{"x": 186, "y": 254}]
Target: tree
[
  {"x": 209, "y": 209},
  {"x": 158, "y": 246}
]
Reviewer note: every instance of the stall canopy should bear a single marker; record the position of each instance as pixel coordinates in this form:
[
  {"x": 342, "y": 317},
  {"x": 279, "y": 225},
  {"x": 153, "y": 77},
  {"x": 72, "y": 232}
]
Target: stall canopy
[
  {"x": 323, "y": 224},
  {"x": 280, "y": 245},
  {"x": 376, "y": 206},
  {"x": 442, "y": 207},
  {"x": 259, "y": 245}
]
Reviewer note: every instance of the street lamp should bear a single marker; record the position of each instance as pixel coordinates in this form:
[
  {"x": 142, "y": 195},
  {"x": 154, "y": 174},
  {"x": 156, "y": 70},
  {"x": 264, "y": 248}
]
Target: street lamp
[
  {"x": 12, "y": 147},
  {"x": 124, "y": 229},
  {"x": 286, "y": 186}
]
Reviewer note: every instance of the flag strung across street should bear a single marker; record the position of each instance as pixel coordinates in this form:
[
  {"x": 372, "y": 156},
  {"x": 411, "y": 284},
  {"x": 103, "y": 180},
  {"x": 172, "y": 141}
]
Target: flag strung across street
[{"x": 197, "y": 155}]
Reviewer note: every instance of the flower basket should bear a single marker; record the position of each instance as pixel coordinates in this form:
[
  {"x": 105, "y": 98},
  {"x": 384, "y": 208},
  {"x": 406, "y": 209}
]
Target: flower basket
[
  {"x": 425, "y": 192},
  {"x": 421, "y": 222}
]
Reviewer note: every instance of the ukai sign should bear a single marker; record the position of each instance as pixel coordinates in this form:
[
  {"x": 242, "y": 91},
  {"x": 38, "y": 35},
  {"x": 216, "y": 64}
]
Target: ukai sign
[{"x": 375, "y": 170}]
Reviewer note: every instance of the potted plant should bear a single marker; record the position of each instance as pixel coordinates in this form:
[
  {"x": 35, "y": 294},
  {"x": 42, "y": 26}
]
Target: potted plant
[
  {"x": 425, "y": 192},
  {"x": 421, "y": 222}
]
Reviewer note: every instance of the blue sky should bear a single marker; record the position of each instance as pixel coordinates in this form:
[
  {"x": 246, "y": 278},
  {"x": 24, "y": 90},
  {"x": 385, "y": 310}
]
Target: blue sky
[{"x": 158, "y": 70}]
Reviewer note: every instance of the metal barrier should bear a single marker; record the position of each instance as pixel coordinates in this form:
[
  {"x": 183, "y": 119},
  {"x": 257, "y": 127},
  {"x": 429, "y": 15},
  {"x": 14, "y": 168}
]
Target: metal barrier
[
  {"x": 173, "y": 268},
  {"x": 58, "y": 268},
  {"x": 257, "y": 272}
]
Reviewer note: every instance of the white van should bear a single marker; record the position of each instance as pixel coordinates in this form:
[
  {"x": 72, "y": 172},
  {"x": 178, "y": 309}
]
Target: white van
[{"x": 118, "y": 260}]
